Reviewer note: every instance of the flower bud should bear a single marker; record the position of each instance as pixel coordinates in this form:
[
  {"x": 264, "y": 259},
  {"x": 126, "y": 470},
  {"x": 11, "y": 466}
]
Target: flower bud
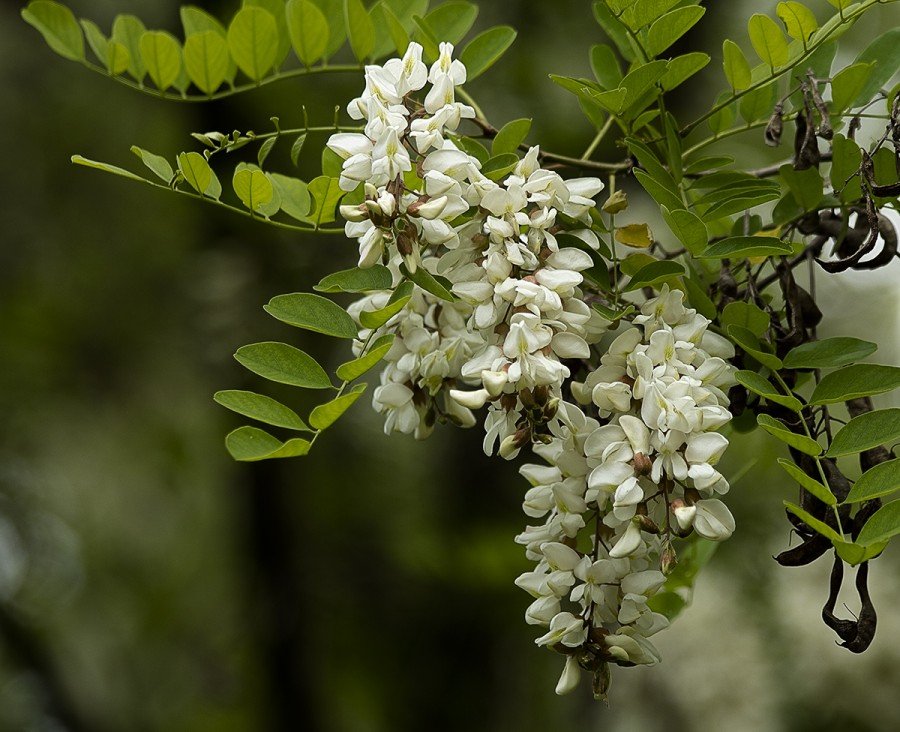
[
  {"x": 513, "y": 443},
  {"x": 568, "y": 681},
  {"x": 642, "y": 464},
  {"x": 428, "y": 210},
  {"x": 668, "y": 560},
  {"x": 648, "y": 524},
  {"x": 685, "y": 516},
  {"x": 470, "y": 399},
  {"x": 494, "y": 382},
  {"x": 354, "y": 213},
  {"x": 629, "y": 543},
  {"x": 600, "y": 682}
]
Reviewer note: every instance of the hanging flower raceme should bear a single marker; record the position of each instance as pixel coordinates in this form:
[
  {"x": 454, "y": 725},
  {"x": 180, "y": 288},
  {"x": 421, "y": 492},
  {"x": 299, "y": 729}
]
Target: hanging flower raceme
[{"x": 630, "y": 450}]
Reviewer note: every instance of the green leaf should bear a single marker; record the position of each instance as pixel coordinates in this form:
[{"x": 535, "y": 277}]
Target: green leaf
[
  {"x": 811, "y": 485},
  {"x": 805, "y": 185},
  {"x": 658, "y": 191},
  {"x": 194, "y": 20},
  {"x": 156, "y": 163},
  {"x": 295, "y": 199},
  {"x": 704, "y": 165},
  {"x": 845, "y": 165},
  {"x": 848, "y": 84},
  {"x": 865, "y": 432},
  {"x": 510, "y": 136},
  {"x": 308, "y": 30},
  {"x": 333, "y": 10},
  {"x": 670, "y": 27},
  {"x": 117, "y": 59},
  {"x": 884, "y": 525},
  {"x": 485, "y": 49},
  {"x": 426, "y": 37},
  {"x": 885, "y": 52},
  {"x": 253, "y": 41},
  {"x": 737, "y": 68},
  {"x": 473, "y": 148},
  {"x": 312, "y": 312},
  {"x": 858, "y": 380},
  {"x": 654, "y": 273},
  {"x": 746, "y": 246},
  {"x": 723, "y": 119},
  {"x": 855, "y": 554},
  {"x": 197, "y": 173},
  {"x": 395, "y": 28},
  {"x": 639, "y": 80},
  {"x": 877, "y": 482},
  {"x": 798, "y": 19},
  {"x": 451, "y": 21},
  {"x": 698, "y": 299},
  {"x": 253, "y": 188},
  {"x": 758, "y": 385},
  {"x": 96, "y": 40},
  {"x": 437, "y": 286},
  {"x": 58, "y": 26},
  {"x": 248, "y": 444},
  {"x": 297, "y": 147},
  {"x": 357, "y": 280},
  {"x": 206, "y": 60},
  {"x": 499, "y": 166},
  {"x": 161, "y": 54},
  {"x": 326, "y": 194},
  {"x": 747, "y": 315},
  {"x": 265, "y": 149},
  {"x": 325, "y": 415},
  {"x": 360, "y": 29},
  {"x": 358, "y": 366},
  {"x": 106, "y": 168},
  {"x": 828, "y": 353},
  {"x": 752, "y": 346},
  {"x": 284, "y": 364},
  {"x": 609, "y": 100},
  {"x": 612, "y": 315},
  {"x": 688, "y": 229},
  {"x": 757, "y": 104},
  {"x": 128, "y": 30},
  {"x": 681, "y": 68},
  {"x": 820, "y": 527},
  {"x": 377, "y": 318},
  {"x": 644, "y": 12},
  {"x": 614, "y": 29},
  {"x": 605, "y": 65},
  {"x": 261, "y": 408},
  {"x": 768, "y": 41},
  {"x": 276, "y": 8}
]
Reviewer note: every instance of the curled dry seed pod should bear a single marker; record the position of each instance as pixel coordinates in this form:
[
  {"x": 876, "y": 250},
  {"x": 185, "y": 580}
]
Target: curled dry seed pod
[
  {"x": 824, "y": 128},
  {"x": 775, "y": 127}
]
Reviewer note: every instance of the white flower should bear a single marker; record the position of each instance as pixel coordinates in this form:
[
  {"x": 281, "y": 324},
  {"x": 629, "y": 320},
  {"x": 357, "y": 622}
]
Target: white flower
[
  {"x": 713, "y": 520},
  {"x": 568, "y": 681},
  {"x": 397, "y": 401},
  {"x": 565, "y": 628},
  {"x": 629, "y": 542}
]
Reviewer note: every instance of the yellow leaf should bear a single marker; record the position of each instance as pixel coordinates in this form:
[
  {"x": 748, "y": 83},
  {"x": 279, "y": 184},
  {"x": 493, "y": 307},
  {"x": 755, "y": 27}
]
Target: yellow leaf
[
  {"x": 635, "y": 235},
  {"x": 617, "y": 202}
]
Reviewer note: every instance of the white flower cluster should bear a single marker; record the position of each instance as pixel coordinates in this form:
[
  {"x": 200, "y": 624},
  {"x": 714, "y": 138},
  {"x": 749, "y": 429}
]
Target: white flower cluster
[
  {"x": 511, "y": 340},
  {"x": 519, "y": 312},
  {"x": 659, "y": 391}
]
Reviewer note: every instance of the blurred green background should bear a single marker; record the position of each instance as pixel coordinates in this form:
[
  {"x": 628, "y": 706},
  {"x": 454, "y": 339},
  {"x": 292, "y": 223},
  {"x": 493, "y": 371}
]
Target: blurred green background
[{"x": 147, "y": 582}]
